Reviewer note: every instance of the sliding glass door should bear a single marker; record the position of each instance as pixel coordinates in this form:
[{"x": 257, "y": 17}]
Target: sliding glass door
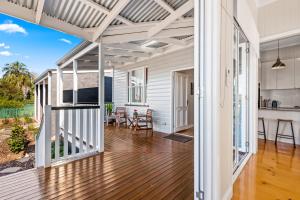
[{"x": 240, "y": 97}]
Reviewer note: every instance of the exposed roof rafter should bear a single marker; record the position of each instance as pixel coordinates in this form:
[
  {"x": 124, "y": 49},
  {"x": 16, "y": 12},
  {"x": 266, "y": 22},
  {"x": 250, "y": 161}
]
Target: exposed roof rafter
[
  {"x": 170, "y": 19},
  {"x": 39, "y": 11},
  {"x": 109, "y": 18},
  {"x": 106, "y": 11}
]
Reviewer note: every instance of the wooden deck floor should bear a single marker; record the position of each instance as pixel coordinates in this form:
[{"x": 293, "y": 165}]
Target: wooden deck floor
[
  {"x": 271, "y": 174},
  {"x": 133, "y": 166}
]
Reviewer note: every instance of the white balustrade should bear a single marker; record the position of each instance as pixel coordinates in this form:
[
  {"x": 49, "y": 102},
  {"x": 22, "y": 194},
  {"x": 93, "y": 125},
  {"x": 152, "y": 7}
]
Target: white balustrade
[{"x": 67, "y": 133}]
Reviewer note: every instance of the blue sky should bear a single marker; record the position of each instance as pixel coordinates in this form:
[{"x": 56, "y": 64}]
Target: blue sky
[{"x": 36, "y": 46}]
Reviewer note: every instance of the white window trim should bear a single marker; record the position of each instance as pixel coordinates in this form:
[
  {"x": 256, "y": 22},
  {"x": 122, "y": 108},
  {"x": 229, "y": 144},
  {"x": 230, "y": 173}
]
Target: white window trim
[{"x": 144, "y": 97}]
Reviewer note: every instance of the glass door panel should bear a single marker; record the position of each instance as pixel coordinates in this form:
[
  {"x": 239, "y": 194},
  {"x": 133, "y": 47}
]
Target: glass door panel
[{"x": 240, "y": 97}]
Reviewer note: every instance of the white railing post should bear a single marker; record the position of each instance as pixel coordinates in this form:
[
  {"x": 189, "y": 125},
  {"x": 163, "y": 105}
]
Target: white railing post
[
  {"x": 43, "y": 141},
  {"x": 101, "y": 64},
  {"x": 47, "y": 138}
]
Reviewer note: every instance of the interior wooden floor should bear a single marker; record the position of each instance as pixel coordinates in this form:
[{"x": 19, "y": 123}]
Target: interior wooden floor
[
  {"x": 274, "y": 173},
  {"x": 133, "y": 166},
  {"x": 188, "y": 132}
]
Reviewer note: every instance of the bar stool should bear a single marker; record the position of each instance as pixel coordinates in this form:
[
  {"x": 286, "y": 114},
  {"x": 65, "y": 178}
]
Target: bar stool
[
  {"x": 264, "y": 129},
  {"x": 284, "y": 135}
]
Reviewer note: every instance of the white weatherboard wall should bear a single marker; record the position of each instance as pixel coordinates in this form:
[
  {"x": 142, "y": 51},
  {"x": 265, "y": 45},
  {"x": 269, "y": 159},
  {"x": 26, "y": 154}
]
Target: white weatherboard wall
[{"x": 159, "y": 88}]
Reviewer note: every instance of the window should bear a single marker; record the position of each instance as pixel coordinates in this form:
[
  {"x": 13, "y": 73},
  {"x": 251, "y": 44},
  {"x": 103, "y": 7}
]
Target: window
[{"x": 137, "y": 81}]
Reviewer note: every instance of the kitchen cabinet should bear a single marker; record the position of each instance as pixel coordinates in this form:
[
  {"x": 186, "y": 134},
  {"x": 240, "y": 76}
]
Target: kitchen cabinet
[
  {"x": 286, "y": 76},
  {"x": 268, "y": 78},
  {"x": 297, "y": 73}
]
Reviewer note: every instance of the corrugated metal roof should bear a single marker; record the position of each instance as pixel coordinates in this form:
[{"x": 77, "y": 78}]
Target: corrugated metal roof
[
  {"x": 75, "y": 12},
  {"x": 144, "y": 11},
  {"x": 30, "y": 4},
  {"x": 176, "y": 3}
]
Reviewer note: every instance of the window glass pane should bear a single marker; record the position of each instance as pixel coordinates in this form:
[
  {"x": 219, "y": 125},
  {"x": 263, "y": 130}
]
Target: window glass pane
[{"x": 137, "y": 86}]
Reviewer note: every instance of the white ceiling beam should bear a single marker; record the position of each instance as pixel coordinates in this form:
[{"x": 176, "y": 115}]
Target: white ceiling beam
[
  {"x": 17, "y": 11},
  {"x": 109, "y": 18},
  {"x": 119, "y": 52},
  {"x": 127, "y": 46},
  {"x": 39, "y": 11},
  {"x": 106, "y": 11},
  {"x": 171, "y": 18},
  {"x": 120, "y": 59},
  {"x": 144, "y": 35},
  {"x": 165, "y": 6},
  {"x": 141, "y": 27}
]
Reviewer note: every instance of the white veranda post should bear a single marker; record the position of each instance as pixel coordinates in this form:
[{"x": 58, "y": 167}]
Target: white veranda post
[
  {"x": 49, "y": 88},
  {"x": 59, "y": 86},
  {"x": 38, "y": 102},
  {"x": 75, "y": 82},
  {"x": 44, "y": 96},
  {"x": 101, "y": 64}
]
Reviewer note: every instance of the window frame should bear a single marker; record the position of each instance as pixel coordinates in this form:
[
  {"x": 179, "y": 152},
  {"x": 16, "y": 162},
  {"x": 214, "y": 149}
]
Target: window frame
[{"x": 129, "y": 88}]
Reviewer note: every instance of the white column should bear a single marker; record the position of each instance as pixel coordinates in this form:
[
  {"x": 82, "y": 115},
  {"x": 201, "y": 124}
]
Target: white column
[
  {"x": 39, "y": 102},
  {"x": 101, "y": 64},
  {"x": 50, "y": 88},
  {"x": 44, "y": 96},
  {"x": 59, "y": 86},
  {"x": 75, "y": 82},
  {"x": 35, "y": 102}
]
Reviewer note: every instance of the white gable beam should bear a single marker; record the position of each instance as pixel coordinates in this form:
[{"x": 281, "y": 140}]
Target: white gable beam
[
  {"x": 109, "y": 18},
  {"x": 175, "y": 15},
  {"x": 105, "y": 11},
  {"x": 30, "y": 16},
  {"x": 39, "y": 11}
]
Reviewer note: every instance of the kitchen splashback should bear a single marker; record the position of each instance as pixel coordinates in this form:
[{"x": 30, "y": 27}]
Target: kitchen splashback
[{"x": 286, "y": 98}]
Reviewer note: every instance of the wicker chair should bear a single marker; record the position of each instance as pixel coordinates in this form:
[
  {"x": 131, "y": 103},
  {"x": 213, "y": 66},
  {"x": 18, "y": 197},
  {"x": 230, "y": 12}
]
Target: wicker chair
[{"x": 121, "y": 116}]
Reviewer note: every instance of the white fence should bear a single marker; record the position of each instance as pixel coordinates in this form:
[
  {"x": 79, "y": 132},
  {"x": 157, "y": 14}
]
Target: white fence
[{"x": 67, "y": 133}]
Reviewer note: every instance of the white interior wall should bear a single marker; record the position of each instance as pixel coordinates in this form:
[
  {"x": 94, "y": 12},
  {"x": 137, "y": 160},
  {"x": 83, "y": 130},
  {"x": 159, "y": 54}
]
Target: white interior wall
[
  {"x": 247, "y": 21},
  {"x": 279, "y": 19},
  {"x": 159, "y": 88}
]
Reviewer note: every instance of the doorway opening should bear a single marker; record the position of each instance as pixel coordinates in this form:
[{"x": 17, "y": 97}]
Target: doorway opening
[{"x": 183, "y": 102}]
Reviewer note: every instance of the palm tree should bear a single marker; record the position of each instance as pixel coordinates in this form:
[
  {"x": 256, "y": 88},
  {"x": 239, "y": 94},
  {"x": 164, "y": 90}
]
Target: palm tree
[
  {"x": 17, "y": 73},
  {"x": 15, "y": 68}
]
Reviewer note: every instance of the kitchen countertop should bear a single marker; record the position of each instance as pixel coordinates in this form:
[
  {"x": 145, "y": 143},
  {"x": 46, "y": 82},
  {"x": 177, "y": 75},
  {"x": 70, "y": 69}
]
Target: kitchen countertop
[{"x": 281, "y": 109}]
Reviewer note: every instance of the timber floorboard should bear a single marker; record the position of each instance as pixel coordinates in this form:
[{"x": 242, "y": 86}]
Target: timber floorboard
[{"x": 134, "y": 165}]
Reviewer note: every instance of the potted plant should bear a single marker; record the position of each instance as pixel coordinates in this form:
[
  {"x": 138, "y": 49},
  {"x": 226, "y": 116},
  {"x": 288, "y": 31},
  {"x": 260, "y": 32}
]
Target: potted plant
[
  {"x": 109, "y": 108},
  {"x": 135, "y": 113}
]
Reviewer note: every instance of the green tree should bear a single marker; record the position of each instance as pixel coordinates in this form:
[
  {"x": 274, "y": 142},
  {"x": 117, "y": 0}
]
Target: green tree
[{"x": 17, "y": 77}]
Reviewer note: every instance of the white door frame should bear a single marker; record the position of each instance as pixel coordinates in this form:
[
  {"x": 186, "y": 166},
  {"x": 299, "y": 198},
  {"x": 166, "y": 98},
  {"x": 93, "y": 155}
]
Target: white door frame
[
  {"x": 207, "y": 177},
  {"x": 173, "y": 94}
]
